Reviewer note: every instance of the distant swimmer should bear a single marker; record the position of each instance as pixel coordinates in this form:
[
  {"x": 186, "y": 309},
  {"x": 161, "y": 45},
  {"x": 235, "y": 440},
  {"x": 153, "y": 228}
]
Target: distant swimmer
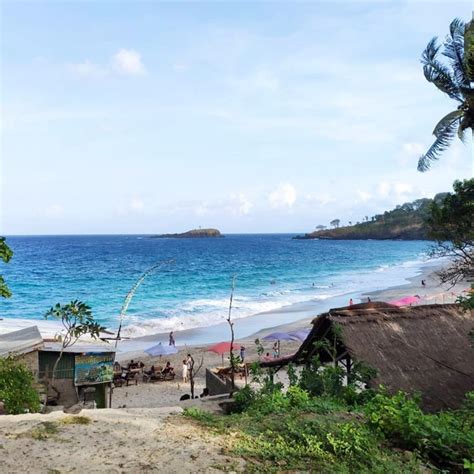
[{"x": 272, "y": 282}]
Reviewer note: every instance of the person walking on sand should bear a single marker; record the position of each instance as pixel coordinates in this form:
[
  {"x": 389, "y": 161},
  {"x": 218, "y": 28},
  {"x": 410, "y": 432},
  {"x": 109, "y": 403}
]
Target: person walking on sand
[
  {"x": 242, "y": 353},
  {"x": 172, "y": 341},
  {"x": 185, "y": 371}
]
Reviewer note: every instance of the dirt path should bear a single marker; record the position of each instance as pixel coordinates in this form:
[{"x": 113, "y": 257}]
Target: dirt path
[{"x": 119, "y": 441}]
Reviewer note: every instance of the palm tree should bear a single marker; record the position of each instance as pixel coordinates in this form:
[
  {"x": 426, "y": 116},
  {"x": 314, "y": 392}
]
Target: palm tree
[{"x": 455, "y": 77}]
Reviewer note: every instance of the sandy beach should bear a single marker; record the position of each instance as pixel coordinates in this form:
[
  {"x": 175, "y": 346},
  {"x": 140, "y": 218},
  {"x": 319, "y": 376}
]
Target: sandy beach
[{"x": 168, "y": 393}]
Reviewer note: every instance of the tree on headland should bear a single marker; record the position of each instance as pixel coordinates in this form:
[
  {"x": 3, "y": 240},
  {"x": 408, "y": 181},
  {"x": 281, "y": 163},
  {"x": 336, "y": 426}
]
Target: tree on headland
[
  {"x": 335, "y": 223},
  {"x": 320, "y": 227},
  {"x": 5, "y": 255},
  {"x": 452, "y": 75},
  {"x": 77, "y": 320},
  {"x": 451, "y": 224}
]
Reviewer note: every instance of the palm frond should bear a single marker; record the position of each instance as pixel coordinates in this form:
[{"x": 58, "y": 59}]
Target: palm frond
[
  {"x": 437, "y": 73},
  {"x": 446, "y": 122},
  {"x": 469, "y": 51},
  {"x": 453, "y": 49},
  {"x": 441, "y": 143}
]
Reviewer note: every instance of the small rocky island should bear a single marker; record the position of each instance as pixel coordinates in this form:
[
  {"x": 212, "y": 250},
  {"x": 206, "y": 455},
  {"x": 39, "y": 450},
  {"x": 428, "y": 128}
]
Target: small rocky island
[{"x": 191, "y": 234}]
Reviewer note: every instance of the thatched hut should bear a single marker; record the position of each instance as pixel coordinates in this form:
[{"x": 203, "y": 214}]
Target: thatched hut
[{"x": 424, "y": 349}]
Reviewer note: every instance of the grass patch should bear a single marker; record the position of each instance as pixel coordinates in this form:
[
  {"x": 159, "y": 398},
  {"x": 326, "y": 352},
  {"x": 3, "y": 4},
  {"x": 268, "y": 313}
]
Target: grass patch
[
  {"x": 76, "y": 420},
  {"x": 43, "y": 431}
]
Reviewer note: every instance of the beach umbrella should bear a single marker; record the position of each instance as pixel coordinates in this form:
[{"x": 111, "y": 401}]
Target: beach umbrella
[
  {"x": 279, "y": 336},
  {"x": 222, "y": 348},
  {"x": 407, "y": 301},
  {"x": 159, "y": 350},
  {"x": 301, "y": 335}
]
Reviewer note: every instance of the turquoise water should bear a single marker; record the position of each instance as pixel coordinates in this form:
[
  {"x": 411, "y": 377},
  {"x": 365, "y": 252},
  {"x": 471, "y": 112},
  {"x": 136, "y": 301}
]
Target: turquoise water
[{"x": 272, "y": 271}]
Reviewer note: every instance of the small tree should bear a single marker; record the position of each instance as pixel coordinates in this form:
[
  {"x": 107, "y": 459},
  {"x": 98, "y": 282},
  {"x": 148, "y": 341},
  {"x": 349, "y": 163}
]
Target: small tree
[
  {"x": 335, "y": 223},
  {"x": 77, "y": 320},
  {"x": 17, "y": 390},
  {"x": 5, "y": 255},
  {"x": 232, "y": 359},
  {"x": 320, "y": 227},
  {"x": 451, "y": 224}
]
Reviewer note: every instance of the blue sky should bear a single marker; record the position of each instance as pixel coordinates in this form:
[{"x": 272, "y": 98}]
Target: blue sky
[{"x": 250, "y": 117}]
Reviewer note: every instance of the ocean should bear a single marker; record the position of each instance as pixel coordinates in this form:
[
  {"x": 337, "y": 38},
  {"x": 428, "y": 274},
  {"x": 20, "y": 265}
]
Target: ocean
[{"x": 272, "y": 271}]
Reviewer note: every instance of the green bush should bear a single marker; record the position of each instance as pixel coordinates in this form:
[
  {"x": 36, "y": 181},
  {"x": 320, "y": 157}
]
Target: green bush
[
  {"x": 445, "y": 439},
  {"x": 16, "y": 387}
]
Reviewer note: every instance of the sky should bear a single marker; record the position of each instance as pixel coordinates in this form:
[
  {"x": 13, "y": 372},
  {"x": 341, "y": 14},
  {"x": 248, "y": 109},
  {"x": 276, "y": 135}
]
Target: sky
[{"x": 134, "y": 117}]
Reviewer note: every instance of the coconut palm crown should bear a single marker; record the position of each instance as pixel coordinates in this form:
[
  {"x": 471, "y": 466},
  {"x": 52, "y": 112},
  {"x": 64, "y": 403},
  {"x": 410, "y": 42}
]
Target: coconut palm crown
[{"x": 450, "y": 67}]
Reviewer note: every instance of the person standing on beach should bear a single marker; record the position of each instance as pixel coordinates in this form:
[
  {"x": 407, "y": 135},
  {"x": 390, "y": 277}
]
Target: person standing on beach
[
  {"x": 351, "y": 302},
  {"x": 242, "y": 353},
  {"x": 185, "y": 371},
  {"x": 172, "y": 341}
]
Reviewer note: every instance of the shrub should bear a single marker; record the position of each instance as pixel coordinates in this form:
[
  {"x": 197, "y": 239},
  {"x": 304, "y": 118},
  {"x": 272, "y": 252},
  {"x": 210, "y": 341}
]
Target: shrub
[
  {"x": 445, "y": 439},
  {"x": 16, "y": 387}
]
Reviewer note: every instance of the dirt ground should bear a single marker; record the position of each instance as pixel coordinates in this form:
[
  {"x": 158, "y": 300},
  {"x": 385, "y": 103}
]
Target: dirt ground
[{"x": 113, "y": 441}]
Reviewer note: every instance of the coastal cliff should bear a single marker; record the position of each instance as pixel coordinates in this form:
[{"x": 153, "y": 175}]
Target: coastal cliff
[
  {"x": 191, "y": 234},
  {"x": 405, "y": 222}
]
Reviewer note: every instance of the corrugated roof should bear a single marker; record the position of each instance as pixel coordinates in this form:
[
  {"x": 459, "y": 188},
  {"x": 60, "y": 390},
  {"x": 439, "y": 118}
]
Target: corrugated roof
[
  {"x": 21, "y": 341},
  {"x": 79, "y": 348}
]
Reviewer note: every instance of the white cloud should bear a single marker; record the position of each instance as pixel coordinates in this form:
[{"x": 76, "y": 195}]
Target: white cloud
[
  {"x": 364, "y": 196},
  {"x": 240, "y": 205},
  {"x": 128, "y": 62},
  {"x": 283, "y": 196},
  {"x": 383, "y": 189},
  {"x": 323, "y": 199},
  {"x": 125, "y": 62},
  {"x": 87, "y": 69}
]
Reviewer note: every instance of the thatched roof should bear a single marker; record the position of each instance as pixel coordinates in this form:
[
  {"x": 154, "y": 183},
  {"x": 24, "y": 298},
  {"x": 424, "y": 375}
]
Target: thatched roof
[{"x": 423, "y": 349}]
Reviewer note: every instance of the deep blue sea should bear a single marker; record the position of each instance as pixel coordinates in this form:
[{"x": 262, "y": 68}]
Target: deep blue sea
[{"x": 272, "y": 271}]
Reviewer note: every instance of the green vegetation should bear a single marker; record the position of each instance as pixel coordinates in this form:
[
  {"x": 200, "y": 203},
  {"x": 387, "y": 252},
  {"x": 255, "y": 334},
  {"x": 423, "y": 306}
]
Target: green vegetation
[
  {"x": 43, "y": 431},
  {"x": 451, "y": 224},
  {"x": 77, "y": 320},
  {"x": 5, "y": 255},
  {"x": 17, "y": 387},
  {"x": 191, "y": 234},
  {"x": 406, "y": 222},
  {"x": 76, "y": 420},
  {"x": 450, "y": 68},
  {"x": 286, "y": 431}
]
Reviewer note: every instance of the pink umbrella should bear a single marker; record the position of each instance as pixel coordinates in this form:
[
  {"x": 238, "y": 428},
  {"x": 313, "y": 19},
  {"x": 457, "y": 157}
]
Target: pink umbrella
[{"x": 407, "y": 301}]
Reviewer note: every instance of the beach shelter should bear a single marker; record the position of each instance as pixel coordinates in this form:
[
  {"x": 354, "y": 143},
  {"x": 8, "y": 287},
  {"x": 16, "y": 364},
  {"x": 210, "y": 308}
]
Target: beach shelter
[
  {"x": 407, "y": 301},
  {"x": 159, "y": 350}
]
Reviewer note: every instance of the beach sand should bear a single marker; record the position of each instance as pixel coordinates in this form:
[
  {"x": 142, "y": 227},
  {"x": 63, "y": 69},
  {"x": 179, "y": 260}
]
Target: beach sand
[{"x": 118, "y": 441}]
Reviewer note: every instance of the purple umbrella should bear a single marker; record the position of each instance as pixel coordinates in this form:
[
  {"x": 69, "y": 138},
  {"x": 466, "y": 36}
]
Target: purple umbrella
[
  {"x": 279, "y": 336},
  {"x": 159, "y": 349},
  {"x": 300, "y": 335}
]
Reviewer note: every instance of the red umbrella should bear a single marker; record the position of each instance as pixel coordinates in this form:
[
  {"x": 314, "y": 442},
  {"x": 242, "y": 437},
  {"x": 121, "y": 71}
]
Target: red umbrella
[{"x": 221, "y": 348}]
